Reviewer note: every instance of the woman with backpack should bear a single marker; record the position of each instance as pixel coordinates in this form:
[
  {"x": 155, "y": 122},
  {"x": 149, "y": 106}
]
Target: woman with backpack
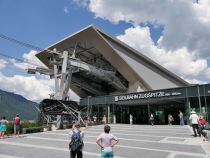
[{"x": 76, "y": 145}]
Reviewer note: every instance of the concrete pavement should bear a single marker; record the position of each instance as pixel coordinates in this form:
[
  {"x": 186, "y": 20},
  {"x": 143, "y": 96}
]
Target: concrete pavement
[{"x": 136, "y": 141}]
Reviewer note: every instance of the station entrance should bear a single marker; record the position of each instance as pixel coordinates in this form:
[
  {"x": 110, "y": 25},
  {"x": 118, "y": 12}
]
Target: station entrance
[
  {"x": 161, "y": 103},
  {"x": 141, "y": 113}
]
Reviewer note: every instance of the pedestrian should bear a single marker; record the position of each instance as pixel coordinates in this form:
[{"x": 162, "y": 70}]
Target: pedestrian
[
  {"x": 104, "y": 119},
  {"x": 86, "y": 120},
  {"x": 17, "y": 125},
  {"x": 202, "y": 127},
  {"x": 181, "y": 117},
  {"x": 170, "y": 119},
  {"x": 107, "y": 142},
  {"x": 3, "y": 126},
  {"x": 94, "y": 119},
  {"x": 76, "y": 144},
  {"x": 151, "y": 119},
  {"x": 194, "y": 118},
  {"x": 131, "y": 119}
]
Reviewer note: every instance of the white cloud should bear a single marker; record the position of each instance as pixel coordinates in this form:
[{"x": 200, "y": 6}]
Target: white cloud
[
  {"x": 30, "y": 87},
  {"x": 186, "y": 23},
  {"x": 194, "y": 81},
  {"x": 29, "y": 61},
  {"x": 2, "y": 63},
  {"x": 180, "y": 61},
  {"x": 183, "y": 46},
  {"x": 66, "y": 10},
  {"x": 35, "y": 88}
]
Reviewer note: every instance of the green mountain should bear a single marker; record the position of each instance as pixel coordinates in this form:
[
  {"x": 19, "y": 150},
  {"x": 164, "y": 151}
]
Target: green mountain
[{"x": 12, "y": 104}]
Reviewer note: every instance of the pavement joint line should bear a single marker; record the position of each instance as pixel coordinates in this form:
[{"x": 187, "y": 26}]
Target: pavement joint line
[
  {"x": 140, "y": 131},
  {"x": 47, "y": 147},
  {"x": 170, "y": 151},
  {"x": 190, "y": 129},
  {"x": 54, "y": 133},
  {"x": 95, "y": 154},
  {"x": 135, "y": 134},
  {"x": 137, "y": 129},
  {"x": 8, "y": 156},
  {"x": 124, "y": 146},
  {"x": 171, "y": 155},
  {"x": 142, "y": 127},
  {"x": 96, "y": 130},
  {"x": 136, "y": 140}
]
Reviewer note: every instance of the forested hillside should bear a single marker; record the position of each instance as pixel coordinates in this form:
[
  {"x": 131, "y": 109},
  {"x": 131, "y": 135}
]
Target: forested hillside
[{"x": 11, "y": 104}]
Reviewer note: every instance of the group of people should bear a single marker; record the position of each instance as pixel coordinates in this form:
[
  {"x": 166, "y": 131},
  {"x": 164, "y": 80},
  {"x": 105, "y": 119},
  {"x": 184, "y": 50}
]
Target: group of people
[
  {"x": 181, "y": 118},
  {"x": 94, "y": 120},
  {"x": 4, "y": 124},
  {"x": 199, "y": 124},
  {"x": 106, "y": 141}
]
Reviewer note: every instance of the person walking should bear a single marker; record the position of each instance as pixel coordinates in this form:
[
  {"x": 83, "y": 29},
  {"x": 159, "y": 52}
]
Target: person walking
[
  {"x": 86, "y": 120},
  {"x": 94, "y": 119},
  {"x": 107, "y": 141},
  {"x": 202, "y": 123},
  {"x": 3, "y": 127},
  {"x": 152, "y": 119},
  {"x": 76, "y": 144},
  {"x": 104, "y": 119},
  {"x": 17, "y": 125},
  {"x": 181, "y": 117},
  {"x": 170, "y": 119},
  {"x": 194, "y": 118},
  {"x": 131, "y": 119}
]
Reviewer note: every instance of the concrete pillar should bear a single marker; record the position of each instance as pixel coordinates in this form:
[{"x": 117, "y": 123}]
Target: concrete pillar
[
  {"x": 114, "y": 119},
  {"x": 108, "y": 110}
]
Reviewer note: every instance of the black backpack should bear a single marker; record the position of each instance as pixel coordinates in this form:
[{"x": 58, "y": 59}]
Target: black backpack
[{"x": 76, "y": 143}]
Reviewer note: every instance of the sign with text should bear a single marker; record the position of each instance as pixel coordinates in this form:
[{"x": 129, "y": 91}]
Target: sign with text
[{"x": 147, "y": 95}]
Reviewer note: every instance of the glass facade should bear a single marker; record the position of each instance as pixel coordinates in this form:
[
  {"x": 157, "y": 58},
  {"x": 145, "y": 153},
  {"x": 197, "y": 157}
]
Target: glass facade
[{"x": 161, "y": 103}]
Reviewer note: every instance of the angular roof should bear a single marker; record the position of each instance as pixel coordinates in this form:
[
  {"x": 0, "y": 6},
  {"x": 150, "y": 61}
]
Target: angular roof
[{"x": 100, "y": 49}]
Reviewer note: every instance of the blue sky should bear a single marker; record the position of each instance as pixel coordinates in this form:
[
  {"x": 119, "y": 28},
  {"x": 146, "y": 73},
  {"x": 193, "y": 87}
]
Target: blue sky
[{"x": 168, "y": 32}]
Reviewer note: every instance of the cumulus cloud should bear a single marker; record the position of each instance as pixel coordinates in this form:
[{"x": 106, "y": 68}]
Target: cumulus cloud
[
  {"x": 183, "y": 46},
  {"x": 194, "y": 81},
  {"x": 180, "y": 61},
  {"x": 35, "y": 88},
  {"x": 29, "y": 61},
  {"x": 2, "y": 63},
  {"x": 186, "y": 23},
  {"x": 30, "y": 87}
]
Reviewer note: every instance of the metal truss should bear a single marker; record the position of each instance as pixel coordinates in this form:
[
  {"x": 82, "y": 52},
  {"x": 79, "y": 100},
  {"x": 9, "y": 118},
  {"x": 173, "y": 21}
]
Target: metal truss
[{"x": 61, "y": 68}]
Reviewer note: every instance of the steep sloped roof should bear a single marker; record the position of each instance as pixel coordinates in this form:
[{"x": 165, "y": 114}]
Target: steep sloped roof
[{"x": 115, "y": 55}]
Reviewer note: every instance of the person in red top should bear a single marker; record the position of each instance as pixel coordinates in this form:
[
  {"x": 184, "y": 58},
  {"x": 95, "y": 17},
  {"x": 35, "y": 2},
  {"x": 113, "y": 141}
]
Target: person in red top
[
  {"x": 17, "y": 125},
  {"x": 202, "y": 123}
]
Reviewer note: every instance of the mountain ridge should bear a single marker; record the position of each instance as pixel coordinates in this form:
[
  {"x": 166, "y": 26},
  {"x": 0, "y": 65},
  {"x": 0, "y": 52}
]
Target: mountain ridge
[{"x": 12, "y": 104}]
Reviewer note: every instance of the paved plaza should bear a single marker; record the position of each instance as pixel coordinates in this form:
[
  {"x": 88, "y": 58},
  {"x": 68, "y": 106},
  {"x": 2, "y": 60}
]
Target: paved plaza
[{"x": 136, "y": 141}]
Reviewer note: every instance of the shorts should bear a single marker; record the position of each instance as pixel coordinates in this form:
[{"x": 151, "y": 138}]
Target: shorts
[
  {"x": 16, "y": 128},
  {"x": 107, "y": 154}
]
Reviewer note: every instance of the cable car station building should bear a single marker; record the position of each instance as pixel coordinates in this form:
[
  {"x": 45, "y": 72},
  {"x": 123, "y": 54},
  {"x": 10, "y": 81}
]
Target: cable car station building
[{"x": 115, "y": 80}]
